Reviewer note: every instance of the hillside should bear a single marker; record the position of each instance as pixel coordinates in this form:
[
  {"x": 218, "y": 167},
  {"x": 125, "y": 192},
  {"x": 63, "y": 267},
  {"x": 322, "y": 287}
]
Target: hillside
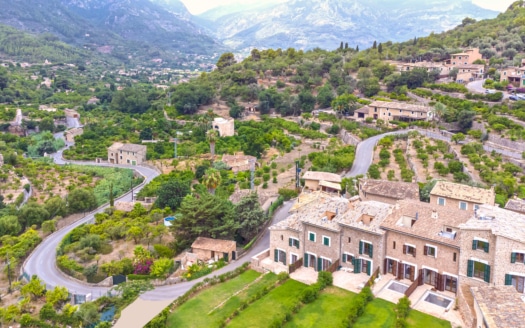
[
  {"x": 125, "y": 29},
  {"x": 307, "y": 24}
]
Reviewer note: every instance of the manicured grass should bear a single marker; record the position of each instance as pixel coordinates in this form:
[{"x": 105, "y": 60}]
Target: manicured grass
[
  {"x": 264, "y": 311},
  {"x": 329, "y": 310},
  {"x": 194, "y": 313},
  {"x": 380, "y": 314}
]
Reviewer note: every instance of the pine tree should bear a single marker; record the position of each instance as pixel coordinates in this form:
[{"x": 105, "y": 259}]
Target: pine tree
[
  {"x": 357, "y": 48},
  {"x": 415, "y": 40},
  {"x": 346, "y": 45},
  {"x": 111, "y": 196},
  {"x": 375, "y": 45},
  {"x": 341, "y": 46},
  {"x": 380, "y": 48}
]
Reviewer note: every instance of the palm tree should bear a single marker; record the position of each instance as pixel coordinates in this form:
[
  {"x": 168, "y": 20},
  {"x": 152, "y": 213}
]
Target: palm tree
[
  {"x": 212, "y": 137},
  {"x": 211, "y": 179},
  {"x": 439, "y": 111}
]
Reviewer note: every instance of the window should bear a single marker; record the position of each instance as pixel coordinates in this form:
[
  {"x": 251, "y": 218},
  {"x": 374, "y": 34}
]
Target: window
[
  {"x": 348, "y": 258},
  {"x": 479, "y": 270},
  {"x": 293, "y": 258},
  {"x": 409, "y": 249},
  {"x": 366, "y": 266},
  {"x": 462, "y": 206},
  {"x": 280, "y": 256},
  {"x": 326, "y": 241},
  {"x": 366, "y": 248},
  {"x": 430, "y": 251},
  {"x": 517, "y": 281},
  {"x": 451, "y": 283},
  {"x": 480, "y": 244},
  {"x": 311, "y": 236},
  {"x": 393, "y": 245},
  {"x": 476, "y": 207},
  {"x": 127, "y": 161},
  {"x": 349, "y": 240},
  {"x": 441, "y": 201},
  {"x": 516, "y": 257},
  {"x": 454, "y": 257},
  {"x": 293, "y": 242}
]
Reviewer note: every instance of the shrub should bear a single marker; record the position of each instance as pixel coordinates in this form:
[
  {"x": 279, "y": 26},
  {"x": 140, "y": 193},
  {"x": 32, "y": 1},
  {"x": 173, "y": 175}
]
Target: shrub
[
  {"x": 288, "y": 194},
  {"x": 310, "y": 294},
  {"x": 373, "y": 171},
  {"x": 324, "y": 279}
]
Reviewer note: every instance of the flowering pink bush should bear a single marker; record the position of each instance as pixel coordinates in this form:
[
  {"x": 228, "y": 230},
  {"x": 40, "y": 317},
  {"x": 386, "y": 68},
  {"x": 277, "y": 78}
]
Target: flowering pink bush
[{"x": 142, "y": 267}]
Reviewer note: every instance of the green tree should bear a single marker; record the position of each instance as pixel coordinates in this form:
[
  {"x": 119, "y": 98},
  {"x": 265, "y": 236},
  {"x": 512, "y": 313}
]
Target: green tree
[
  {"x": 57, "y": 296},
  {"x": 171, "y": 193},
  {"x": 440, "y": 110},
  {"x": 9, "y": 225},
  {"x": 465, "y": 119},
  {"x": 162, "y": 267},
  {"x": 226, "y": 59},
  {"x": 212, "y": 136},
  {"x": 129, "y": 291},
  {"x": 345, "y": 103},
  {"x": 35, "y": 288},
  {"x": 250, "y": 216},
  {"x": 47, "y": 124},
  {"x": 81, "y": 200},
  {"x": 130, "y": 100},
  {"x": 211, "y": 179},
  {"x": 32, "y": 213},
  {"x": 88, "y": 313},
  {"x": 458, "y": 137},
  {"x": 55, "y": 206},
  {"x": 325, "y": 95}
]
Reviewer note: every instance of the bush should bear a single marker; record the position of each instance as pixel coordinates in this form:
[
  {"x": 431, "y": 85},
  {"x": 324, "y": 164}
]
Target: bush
[
  {"x": 373, "y": 171},
  {"x": 324, "y": 279},
  {"x": 288, "y": 194},
  {"x": 139, "y": 277},
  {"x": 310, "y": 294}
]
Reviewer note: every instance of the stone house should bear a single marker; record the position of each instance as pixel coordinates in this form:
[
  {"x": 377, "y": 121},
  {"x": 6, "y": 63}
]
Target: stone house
[
  {"x": 362, "y": 239},
  {"x": 214, "y": 249},
  {"x": 463, "y": 197},
  {"x": 465, "y": 58},
  {"x": 468, "y": 73},
  {"x": 498, "y": 307},
  {"x": 493, "y": 248},
  {"x": 130, "y": 154},
  {"x": 516, "y": 205},
  {"x": 387, "y": 191},
  {"x": 515, "y": 75},
  {"x": 422, "y": 243},
  {"x": 324, "y": 181},
  {"x": 70, "y": 134},
  {"x": 239, "y": 162},
  {"x": 226, "y": 128},
  {"x": 389, "y": 111}
]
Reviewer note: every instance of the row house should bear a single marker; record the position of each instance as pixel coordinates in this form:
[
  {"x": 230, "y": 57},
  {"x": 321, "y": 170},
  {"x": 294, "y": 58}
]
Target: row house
[
  {"x": 399, "y": 111},
  {"x": 387, "y": 191},
  {"x": 463, "y": 197},
  {"x": 493, "y": 248},
  {"x": 468, "y": 57},
  {"x": 422, "y": 243}
]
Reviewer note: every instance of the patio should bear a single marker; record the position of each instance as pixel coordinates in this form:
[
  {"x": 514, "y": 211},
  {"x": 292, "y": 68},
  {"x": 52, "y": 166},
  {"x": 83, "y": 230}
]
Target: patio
[
  {"x": 305, "y": 275},
  {"x": 353, "y": 282},
  {"x": 268, "y": 264},
  {"x": 418, "y": 303}
]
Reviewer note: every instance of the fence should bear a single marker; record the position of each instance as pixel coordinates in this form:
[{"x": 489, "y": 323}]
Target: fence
[
  {"x": 294, "y": 266},
  {"x": 372, "y": 279},
  {"x": 333, "y": 268}
]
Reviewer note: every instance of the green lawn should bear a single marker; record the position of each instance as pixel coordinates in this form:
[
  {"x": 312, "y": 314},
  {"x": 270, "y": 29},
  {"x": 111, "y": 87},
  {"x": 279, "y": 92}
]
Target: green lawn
[
  {"x": 329, "y": 310},
  {"x": 196, "y": 311},
  {"x": 380, "y": 314},
  {"x": 263, "y": 312}
]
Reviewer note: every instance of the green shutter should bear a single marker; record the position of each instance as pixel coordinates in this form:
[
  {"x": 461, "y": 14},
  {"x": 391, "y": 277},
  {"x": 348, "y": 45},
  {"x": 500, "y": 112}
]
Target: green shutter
[
  {"x": 305, "y": 261},
  {"x": 470, "y": 268},
  {"x": 360, "y": 247},
  {"x": 290, "y": 241},
  {"x": 344, "y": 258},
  {"x": 311, "y": 236},
  {"x": 326, "y": 241},
  {"x": 486, "y": 248},
  {"x": 298, "y": 244},
  {"x": 508, "y": 280},
  {"x": 474, "y": 244},
  {"x": 371, "y": 250},
  {"x": 284, "y": 259},
  {"x": 512, "y": 257},
  {"x": 276, "y": 255},
  {"x": 357, "y": 266},
  {"x": 319, "y": 264},
  {"x": 368, "y": 267},
  {"x": 487, "y": 273}
]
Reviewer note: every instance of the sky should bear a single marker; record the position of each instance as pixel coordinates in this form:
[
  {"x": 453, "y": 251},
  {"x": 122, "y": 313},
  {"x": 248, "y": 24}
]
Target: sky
[{"x": 200, "y": 6}]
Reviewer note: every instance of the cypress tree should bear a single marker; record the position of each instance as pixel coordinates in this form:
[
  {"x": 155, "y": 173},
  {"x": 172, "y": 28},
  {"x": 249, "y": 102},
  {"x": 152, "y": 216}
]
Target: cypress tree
[
  {"x": 380, "y": 48},
  {"x": 375, "y": 45},
  {"x": 357, "y": 48}
]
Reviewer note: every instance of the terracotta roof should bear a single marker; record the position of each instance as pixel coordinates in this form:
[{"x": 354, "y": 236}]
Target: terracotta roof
[
  {"x": 500, "y": 306},
  {"x": 331, "y": 185},
  {"x": 516, "y": 205},
  {"x": 400, "y": 105},
  {"x": 366, "y": 215},
  {"x": 391, "y": 189},
  {"x": 216, "y": 245},
  {"x": 322, "y": 176},
  {"x": 499, "y": 221},
  {"x": 238, "y": 162},
  {"x": 116, "y": 146},
  {"x": 429, "y": 220},
  {"x": 133, "y": 148},
  {"x": 363, "y": 110},
  {"x": 463, "y": 192}
]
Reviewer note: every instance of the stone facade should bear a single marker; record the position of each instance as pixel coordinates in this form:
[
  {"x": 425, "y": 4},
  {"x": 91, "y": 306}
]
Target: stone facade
[
  {"x": 70, "y": 135},
  {"x": 352, "y": 240},
  {"x": 280, "y": 241},
  {"x": 324, "y": 246},
  {"x": 129, "y": 154},
  {"x": 226, "y": 128}
]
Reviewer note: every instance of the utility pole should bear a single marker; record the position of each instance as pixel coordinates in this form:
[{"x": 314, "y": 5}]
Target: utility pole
[{"x": 297, "y": 171}]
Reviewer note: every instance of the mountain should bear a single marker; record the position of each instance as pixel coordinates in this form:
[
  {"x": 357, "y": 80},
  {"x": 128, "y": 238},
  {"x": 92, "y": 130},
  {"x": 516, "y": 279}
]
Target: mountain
[
  {"x": 307, "y": 24},
  {"x": 122, "y": 27}
]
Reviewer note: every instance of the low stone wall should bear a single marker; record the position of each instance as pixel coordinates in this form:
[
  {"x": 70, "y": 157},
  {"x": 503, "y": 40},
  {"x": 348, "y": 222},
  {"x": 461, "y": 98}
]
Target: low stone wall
[
  {"x": 257, "y": 259},
  {"x": 349, "y": 138},
  {"x": 465, "y": 309}
]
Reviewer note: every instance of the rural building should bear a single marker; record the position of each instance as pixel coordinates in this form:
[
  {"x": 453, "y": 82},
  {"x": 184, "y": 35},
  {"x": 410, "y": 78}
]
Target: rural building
[
  {"x": 387, "y": 191},
  {"x": 493, "y": 248},
  {"x": 465, "y": 58},
  {"x": 398, "y": 111},
  {"x": 498, "y": 307},
  {"x": 214, "y": 249},
  {"x": 516, "y": 205},
  {"x": 130, "y": 154},
  {"x": 239, "y": 162},
  {"x": 70, "y": 134},
  {"x": 460, "y": 196},
  {"x": 226, "y": 128},
  {"x": 422, "y": 243},
  {"x": 468, "y": 73},
  {"x": 515, "y": 75},
  {"x": 324, "y": 181}
]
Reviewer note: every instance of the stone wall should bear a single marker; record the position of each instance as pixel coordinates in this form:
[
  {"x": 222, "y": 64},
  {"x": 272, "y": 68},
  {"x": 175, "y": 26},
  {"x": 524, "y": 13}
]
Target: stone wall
[
  {"x": 328, "y": 252},
  {"x": 350, "y": 244},
  {"x": 349, "y": 138},
  {"x": 280, "y": 239}
]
